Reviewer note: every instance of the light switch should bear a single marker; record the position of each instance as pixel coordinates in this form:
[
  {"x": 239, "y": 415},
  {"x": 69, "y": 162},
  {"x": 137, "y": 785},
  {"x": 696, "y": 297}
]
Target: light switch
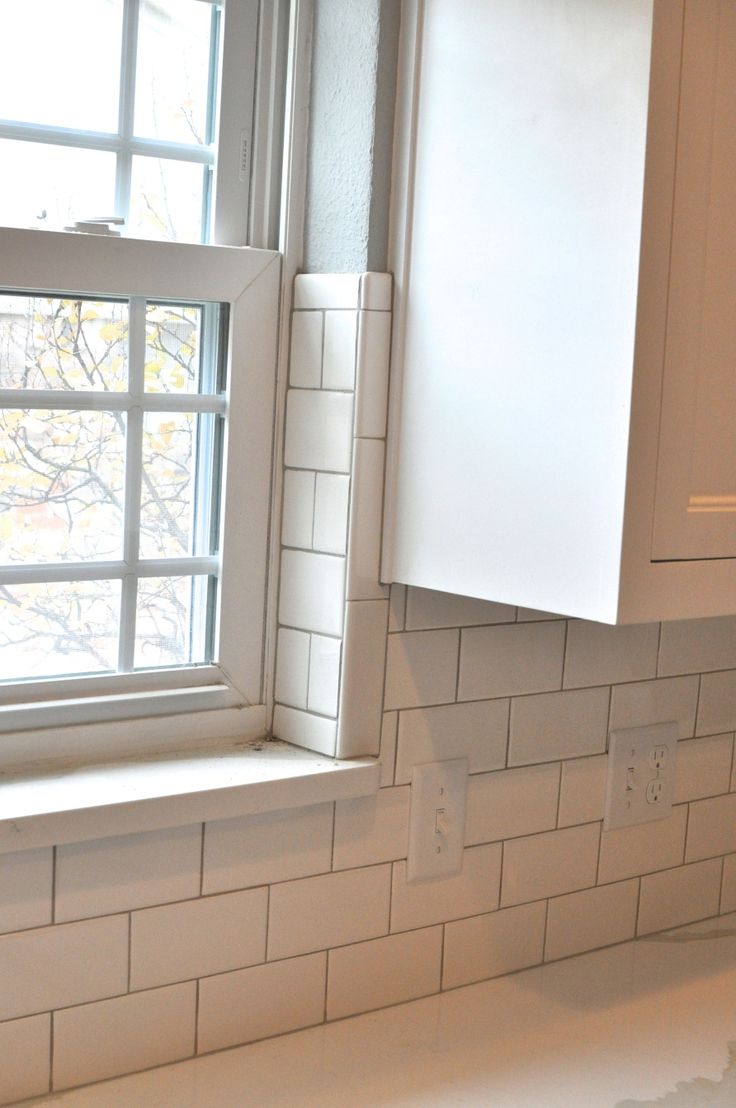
[{"x": 437, "y": 819}]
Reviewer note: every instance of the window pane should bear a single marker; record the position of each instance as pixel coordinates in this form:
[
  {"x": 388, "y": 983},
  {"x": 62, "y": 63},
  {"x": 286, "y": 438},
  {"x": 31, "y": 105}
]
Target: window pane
[
  {"x": 61, "y": 485},
  {"x": 171, "y": 621},
  {"x": 49, "y": 342},
  {"x": 173, "y": 347},
  {"x": 166, "y": 200},
  {"x": 172, "y": 72},
  {"x": 51, "y": 186},
  {"x": 52, "y": 629},
  {"x": 177, "y": 484},
  {"x": 52, "y": 67}
]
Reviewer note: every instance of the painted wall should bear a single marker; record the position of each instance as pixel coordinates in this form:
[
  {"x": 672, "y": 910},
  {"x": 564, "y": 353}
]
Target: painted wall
[{"x": 353, "y": 84}]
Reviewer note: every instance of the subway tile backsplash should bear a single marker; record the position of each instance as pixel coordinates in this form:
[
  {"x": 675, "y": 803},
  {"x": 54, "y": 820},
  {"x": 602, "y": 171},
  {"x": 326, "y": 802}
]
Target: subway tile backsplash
[{"x": 141, "y": 949}]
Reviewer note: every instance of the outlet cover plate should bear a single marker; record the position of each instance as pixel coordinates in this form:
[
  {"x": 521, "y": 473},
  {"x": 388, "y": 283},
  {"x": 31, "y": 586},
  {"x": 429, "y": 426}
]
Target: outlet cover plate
[
  {"x": 437, "y": 819},
  {"x": 641, "y": 774}
]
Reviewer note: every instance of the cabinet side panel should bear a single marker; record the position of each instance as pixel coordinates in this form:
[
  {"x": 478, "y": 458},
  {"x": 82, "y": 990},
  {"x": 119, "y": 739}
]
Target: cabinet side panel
[{"x": 521, "y": 301}]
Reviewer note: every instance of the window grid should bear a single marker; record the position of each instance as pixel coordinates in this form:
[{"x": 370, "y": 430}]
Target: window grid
[{"x": 135, "y": 403}]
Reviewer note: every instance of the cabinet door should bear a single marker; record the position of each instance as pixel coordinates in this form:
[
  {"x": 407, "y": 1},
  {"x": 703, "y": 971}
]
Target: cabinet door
[{"x": 695, "y": 513}]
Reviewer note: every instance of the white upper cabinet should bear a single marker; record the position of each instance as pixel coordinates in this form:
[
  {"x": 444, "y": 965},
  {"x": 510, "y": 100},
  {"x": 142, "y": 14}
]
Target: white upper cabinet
[{"x": 564, "y": 378}]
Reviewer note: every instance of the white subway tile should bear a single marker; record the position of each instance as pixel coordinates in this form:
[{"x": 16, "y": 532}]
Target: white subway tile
[
  {"x": 338, "y": 367},
  {"x": 728, "y": 892},
  {"x": 397, "y": 608},
  {"x": 324, "y": 675},
  {"x": 549, "y": 864},
  {"x": 426, "y": 609},
  {"x": 679, "y": 896},
  {"x": 535, "y": 615},
  {"x": 97, "y": 1041},
  {"x": 644, "y": 848},
  {"x": 503, "y": 661},
  {"x": 421, "y": 668},
  {"x": 305, "y": 358},
  {"x": 41, "y": 969},
  {"x": 129, "y": 871},
  {"x": 319, "y": 430},
  {"x": 389, "y": 735},
  {"x": 331, "y": 513},
  {"x": 717, "y": 704},
  {"x": 669, "y": 698},
  {"x": 558, "y": 725},
  {"x": 592, "y": 918},
  {"x": 292, "y": 667},
  {"x": 375, "y": 291},
  {"x": 26, "y": 879},
  {"x": 302, "y": 729},
  {"x": 197, "y": 937},
  {"x": 374, "y": 347},
  {"x": 711, "y": 829},
  {"x": 697, "y": 645},
  {"x": 703, "y": 768},
  {"x": 321, "y": 912},
  {"x": 477, "y": 731},
  {"x": 511, "y": 802},
  {"x": 487, "y": 946},
  {"x": 583, "y": 790},
  {"x": 326, "y": 290},
  {"x": 600, "y": 655},
  {"x": 251, "y": 1004},
  {"x": 272, "y": 846},
  {"x": 297, "y": 521},
  {"x": 312, "y": 591},
  {"x": 371, "y": 829},
  {"x": 363, "y": 670},
  {"x": 366, "y": 513},
  {"x": 468, "y": 893},
  {"x": 383, "y": 971},
  {"x": 25, "y": 1049}
]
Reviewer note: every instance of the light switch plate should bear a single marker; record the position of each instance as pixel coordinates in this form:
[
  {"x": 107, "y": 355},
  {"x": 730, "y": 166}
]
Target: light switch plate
[
  {"x": 641, "y": 774},
  {"x": 437, "y": 819}
]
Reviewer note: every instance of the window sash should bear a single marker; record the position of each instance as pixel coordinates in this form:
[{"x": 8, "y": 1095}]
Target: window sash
[
  {"x": 248, "y": 280},
  {"x": 226, "y": 163}
]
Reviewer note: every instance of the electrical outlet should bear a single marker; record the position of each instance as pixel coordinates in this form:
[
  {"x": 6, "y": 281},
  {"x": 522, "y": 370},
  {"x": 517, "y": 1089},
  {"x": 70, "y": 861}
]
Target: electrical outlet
[
  {"x": 641, "y": 774},
  {"x": 437, "y": 819}
]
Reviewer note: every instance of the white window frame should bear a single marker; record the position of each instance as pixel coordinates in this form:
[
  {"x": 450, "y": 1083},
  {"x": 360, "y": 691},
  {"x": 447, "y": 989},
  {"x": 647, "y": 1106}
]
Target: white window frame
[
  {"x": 87, "y": 718},
  {"x": 248, "y": 280}
]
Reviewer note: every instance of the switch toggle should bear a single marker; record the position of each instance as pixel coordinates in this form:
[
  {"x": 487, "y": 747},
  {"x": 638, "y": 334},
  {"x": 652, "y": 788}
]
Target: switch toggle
[{"x": 441, "y": 826}]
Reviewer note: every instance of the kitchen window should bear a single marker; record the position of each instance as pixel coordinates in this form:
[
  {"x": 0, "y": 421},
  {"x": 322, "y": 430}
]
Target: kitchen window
[{"x": 136, "y": 372}]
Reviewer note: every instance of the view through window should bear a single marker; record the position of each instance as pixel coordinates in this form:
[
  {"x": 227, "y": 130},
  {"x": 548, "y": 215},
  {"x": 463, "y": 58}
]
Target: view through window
[
  {"x": 110, "y": 436},
  {"x": 109, "y": 107}
]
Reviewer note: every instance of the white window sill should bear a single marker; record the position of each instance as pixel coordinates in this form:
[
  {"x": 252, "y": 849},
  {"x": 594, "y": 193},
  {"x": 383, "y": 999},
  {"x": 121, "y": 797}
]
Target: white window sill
[{"x": 42, "y": 807}]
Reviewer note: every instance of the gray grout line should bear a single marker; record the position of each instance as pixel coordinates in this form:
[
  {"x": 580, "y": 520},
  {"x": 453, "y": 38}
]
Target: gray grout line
[
  {"x": 559, "y": 802},
  {"x": 443, "y": 941},
  {"x": 457, "y": 667},
  {"x": 564, "y": 653},
  {"x": 130, "y": 950},
  {"x": 52, "y": 1045},
  {"x": 196, "y": 1018},
  {"x": 638, "y": 906},
  {"x": 54, "y": 863},
  {"x": 659, "y": 650},
  {"x": 544, "y": 930},
  {"x": 201, "y": 859}
]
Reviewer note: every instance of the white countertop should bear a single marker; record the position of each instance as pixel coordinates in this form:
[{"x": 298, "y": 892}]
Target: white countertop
[{"x": 643, "y": 1023}]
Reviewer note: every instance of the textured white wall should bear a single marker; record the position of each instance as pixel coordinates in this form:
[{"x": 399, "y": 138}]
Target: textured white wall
[{"x": 351, "y": 120}]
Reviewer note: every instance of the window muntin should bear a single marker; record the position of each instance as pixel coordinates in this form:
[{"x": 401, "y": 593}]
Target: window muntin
[
  {"x": 109, "y": 493},
  {"x": 133, "y": 80}
]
